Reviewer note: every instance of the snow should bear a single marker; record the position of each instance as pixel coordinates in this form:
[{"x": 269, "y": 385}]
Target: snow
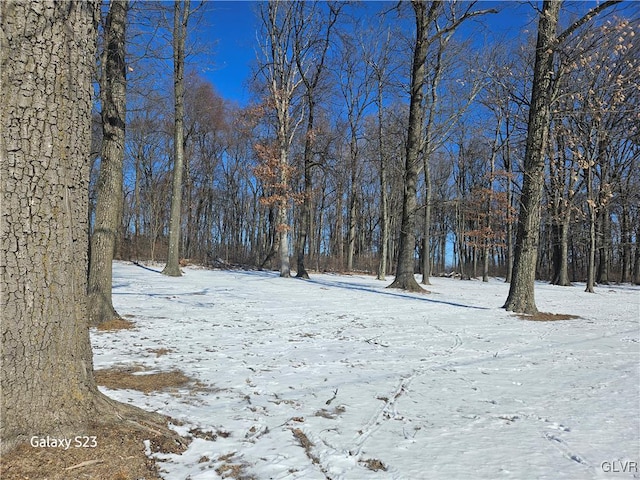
[{"x": 440, "y": 386}]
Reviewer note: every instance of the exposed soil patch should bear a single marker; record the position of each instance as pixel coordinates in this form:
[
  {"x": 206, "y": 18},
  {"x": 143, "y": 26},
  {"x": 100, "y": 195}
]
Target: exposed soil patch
[
  {"x": 374, "y": 464},
  {"x": 118, "y": 454},
  {"x": 230, "y": 469},
  {"x": 135, "y": 378},
  {"x": 160, "y": 351},
  {"x": 547, "y": 317},
  {"x": 115, "y": 324}
]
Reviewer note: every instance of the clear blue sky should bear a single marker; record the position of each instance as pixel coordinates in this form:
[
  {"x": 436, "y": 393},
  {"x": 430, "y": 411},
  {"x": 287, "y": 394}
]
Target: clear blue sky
[{"x": 232, "y": 26}]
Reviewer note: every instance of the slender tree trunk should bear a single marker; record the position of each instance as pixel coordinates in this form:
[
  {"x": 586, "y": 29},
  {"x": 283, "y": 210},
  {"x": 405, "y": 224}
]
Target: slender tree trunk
[
  {"x": 591, "y": 205},
  {"x": 405, "y": 278},
  {"x": 282, "y": 226},
  {"x": 426, "y": 234},
  {"x": 563, "y": 272},
  {"x": 521, "y": 292},
  {"x": 604, "y": 226},
  {"x": 625, "y": 236},
  {"x": 108, "y": 215},
  {"x": 636, "y": 260},
  {"x": 305, "y": 216},
  {"x": 353, "y": 189},
  {"x": 180, "y": 20},
  {"x": 509, "y": 234},
  {"x": 384, "y": 196}
]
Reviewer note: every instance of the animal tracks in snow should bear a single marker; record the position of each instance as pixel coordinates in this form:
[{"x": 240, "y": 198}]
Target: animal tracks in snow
[{"x": 382, "y": 386}]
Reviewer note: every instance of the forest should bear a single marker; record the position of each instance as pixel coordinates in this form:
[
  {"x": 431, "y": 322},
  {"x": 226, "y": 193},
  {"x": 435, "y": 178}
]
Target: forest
[
  {"x": 396, "y": 139},
  {"x": 312, "y": 168}
]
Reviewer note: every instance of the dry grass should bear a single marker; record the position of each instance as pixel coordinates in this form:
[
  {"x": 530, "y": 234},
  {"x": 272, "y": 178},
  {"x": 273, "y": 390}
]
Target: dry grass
[
  {"x": 126, "y": 378},
  {"x": 119, "y": 455},
  {"x": 159, "y": 351},
  {"x": 547, "y": 317},
  {"x": 230, "y": 469},
  {"x": 374, "y": 464},
  {"x": 116, "y": 324}
]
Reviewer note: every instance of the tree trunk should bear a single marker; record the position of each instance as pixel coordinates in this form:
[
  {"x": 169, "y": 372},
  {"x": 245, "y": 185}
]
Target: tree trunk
[
  {"x": 383, "y": 248},
  {"x": 509, "y": 234},
  {"x": 405, "y": 278},
  {"x": 180, "y": 19},
  {"x": 282, "y": 225},
  {"x": 591, "y": 205},
  {"x": 108, "y": 216},
  {"x": 604, "y": 248},
  {"x": 47, "y": 384},
  {"x": 353, "y": 189},
  {"x": 521, "y": 297},
  {"x": 636, "y": 260},
  {"x": 305, "y": 215},
  {"x": 625, "y": 238}
]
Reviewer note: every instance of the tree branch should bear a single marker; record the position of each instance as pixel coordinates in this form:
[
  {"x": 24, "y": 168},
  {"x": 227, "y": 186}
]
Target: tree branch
[{"x": 588, "y": 16}]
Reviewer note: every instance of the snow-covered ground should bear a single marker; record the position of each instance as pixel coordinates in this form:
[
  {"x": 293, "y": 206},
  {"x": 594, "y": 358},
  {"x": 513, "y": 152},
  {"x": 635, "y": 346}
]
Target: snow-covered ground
[{"x": 340, "y": 378}]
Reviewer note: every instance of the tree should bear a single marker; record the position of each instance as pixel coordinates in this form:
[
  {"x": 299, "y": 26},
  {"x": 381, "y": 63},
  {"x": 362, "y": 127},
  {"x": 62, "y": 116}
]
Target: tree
[
  {"x": 47, "y": 384},
  {"x": 311, "y": 44},
  {"x": 405, "y": 266},
  {"x": 283, "y": 79},
  {"x": 426, "y": 15},
  {"x": 108, "y": 216},
  {"x": 180, "y": 22},
  {"x": 521, "y": 297}
]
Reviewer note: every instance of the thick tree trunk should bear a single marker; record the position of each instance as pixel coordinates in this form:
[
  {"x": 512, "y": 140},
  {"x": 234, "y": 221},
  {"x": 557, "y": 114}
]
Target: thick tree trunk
[
  {"x": 108, "y": 216},
  {"x": 180, "y": 19},
  {"x": 521, "y": 292},
  {"x": 47, "y": 385}
]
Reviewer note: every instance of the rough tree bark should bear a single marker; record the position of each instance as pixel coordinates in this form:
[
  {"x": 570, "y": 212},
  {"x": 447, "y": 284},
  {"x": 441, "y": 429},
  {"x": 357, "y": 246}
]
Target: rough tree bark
[
  {"x": 47, "y": 62},
  {"x": 521, "y": 296},
  {"x": 405, "y": 278},
  {"x": 108, "y": 214},
  {"x": 180, "y": 20},
  {"x": 426, "y": 13},
  {"x": 521, "y": 292}
]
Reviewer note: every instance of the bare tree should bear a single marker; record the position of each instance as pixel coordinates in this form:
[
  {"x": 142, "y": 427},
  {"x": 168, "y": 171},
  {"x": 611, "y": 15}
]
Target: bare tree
[
  {"x": 108, "y": 215},
  {"x": 427, "y": 32},
  {"x": 521, "y": 297},
  {"x": 311, "y": 43},
  {"x": 180, "y": 22},
  {"x": 283, "y": 79}
]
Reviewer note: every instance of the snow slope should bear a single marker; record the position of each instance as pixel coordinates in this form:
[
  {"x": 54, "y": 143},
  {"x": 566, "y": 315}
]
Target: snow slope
[{"x": 340, "y": 378}]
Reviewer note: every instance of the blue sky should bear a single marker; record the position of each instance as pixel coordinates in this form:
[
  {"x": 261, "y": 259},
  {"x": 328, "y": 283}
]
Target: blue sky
[{"x": 232, "y": 26}]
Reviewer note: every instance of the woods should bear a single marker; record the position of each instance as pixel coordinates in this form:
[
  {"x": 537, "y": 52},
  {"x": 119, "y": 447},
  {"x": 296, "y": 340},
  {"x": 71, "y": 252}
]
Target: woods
[
  {"x": 305, "y": 171},
  {"x": 378, "y": 138}
]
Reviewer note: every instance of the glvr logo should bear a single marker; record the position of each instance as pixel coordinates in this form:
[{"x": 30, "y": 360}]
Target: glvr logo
[{"x": 619, "y": 466}]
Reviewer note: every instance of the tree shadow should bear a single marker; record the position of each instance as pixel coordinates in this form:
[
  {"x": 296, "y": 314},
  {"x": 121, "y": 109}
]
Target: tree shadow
[{"x": 391, "y": 293}]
